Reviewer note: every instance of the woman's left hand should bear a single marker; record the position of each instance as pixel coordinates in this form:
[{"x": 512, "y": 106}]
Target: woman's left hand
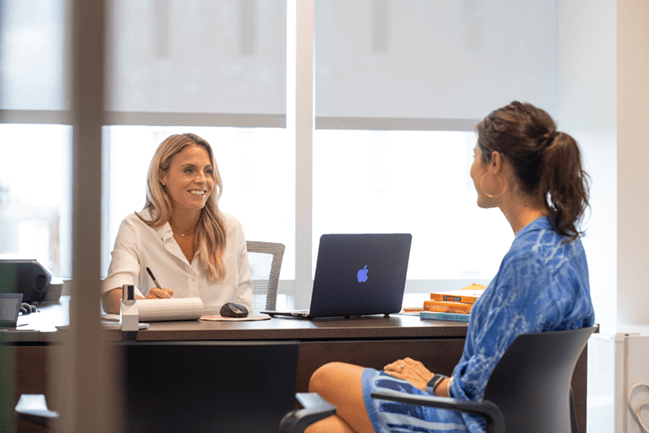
[{"x": 410, "y": 370}]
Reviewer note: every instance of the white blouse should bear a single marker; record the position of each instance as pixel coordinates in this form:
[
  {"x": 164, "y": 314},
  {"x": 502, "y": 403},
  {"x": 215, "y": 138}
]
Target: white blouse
[{"x": 139, "y": 246}]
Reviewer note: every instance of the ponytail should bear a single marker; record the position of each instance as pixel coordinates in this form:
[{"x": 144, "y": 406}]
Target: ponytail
[
  {"x": 564, "y": 184},
  {"x": 547, "y": 163}
]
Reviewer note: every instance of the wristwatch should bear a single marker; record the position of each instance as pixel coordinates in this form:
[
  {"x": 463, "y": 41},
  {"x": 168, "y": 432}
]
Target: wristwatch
[{"x": 435, "y": 381}]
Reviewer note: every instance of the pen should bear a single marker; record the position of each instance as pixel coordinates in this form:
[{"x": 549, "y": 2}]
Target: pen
[{"x": 153, "y": 278}]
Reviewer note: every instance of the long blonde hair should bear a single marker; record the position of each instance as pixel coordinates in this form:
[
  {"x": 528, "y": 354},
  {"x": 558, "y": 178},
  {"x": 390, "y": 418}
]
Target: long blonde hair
[{"x": 211, "y": 232}]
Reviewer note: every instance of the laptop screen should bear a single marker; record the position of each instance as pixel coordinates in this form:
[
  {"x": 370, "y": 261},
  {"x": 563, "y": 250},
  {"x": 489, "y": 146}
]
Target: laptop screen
[{"x": 360, "y": 274}]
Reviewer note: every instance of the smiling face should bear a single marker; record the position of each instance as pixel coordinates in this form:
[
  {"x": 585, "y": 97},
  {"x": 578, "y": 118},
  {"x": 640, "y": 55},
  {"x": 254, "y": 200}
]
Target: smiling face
[{"x": 188, "y": 179}]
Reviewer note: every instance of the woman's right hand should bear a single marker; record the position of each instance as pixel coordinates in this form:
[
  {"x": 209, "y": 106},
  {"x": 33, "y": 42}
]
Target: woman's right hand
[{"x": 155, "y": 293}]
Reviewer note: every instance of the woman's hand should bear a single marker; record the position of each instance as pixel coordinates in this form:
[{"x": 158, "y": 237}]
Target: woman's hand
[
  {"x": 155, "y": 293},
  {"x": 410, "y": 370}
]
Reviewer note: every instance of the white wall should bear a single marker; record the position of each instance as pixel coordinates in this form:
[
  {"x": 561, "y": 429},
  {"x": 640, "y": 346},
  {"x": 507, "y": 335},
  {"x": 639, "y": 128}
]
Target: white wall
[
  {"x": 588, "y": 111},
  {"x": 633, "y": 162},
  {"x": 604, "y": 103}
]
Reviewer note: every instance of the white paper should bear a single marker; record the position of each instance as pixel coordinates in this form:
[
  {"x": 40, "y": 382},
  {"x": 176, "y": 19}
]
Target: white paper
[{"x": 160, "y": 310}]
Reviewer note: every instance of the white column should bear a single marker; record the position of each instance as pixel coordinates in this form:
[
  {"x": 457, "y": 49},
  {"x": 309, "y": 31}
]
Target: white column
[
  {"x": 304, "y": 124},
  {"x": 81, "y": 374}
]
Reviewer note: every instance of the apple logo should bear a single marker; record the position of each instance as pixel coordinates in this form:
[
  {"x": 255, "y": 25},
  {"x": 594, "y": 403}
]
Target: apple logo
[{"x": 362, "y": 275}]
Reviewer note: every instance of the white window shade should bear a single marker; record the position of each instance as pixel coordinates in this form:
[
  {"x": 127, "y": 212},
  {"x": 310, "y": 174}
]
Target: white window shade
[
  {"x": 216, "y": 59},
  {"x": 32, "y": 55},
  {"x": 436, "y": 64},
  {"x": 169, "y": 62}
]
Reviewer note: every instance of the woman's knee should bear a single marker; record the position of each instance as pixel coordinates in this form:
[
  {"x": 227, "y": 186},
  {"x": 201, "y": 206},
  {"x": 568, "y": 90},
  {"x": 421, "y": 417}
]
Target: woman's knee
[
  {"x": 324, "y": 375},
  {"x": 334, "y": 376}
]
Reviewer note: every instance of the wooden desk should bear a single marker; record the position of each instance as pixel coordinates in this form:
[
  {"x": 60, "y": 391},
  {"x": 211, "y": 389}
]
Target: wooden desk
[{"x": 368, "y": 341}]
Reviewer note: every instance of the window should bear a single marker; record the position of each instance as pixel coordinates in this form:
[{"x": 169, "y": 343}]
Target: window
[
  {"x": 256, "y": 166},
  {"x": 398, "y": 87},
  {"x": 35, "y": 194},
  {"x": 35, "y": 144},
  {"x": 412, "y": 182}
]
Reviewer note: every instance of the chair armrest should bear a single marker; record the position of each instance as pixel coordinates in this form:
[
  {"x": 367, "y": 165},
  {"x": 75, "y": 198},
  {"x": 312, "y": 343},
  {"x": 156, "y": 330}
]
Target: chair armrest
[
  {"x": 486, "y": 409},
  {"x": 33, "y": 408},
  {"x": 315, "y": 409}
]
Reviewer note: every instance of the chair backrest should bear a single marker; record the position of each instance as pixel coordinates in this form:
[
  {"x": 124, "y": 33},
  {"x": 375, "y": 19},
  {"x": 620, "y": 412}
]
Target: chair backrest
[
  {"x": 265, "y": 264},
  {"x": 531, "y": 382}
]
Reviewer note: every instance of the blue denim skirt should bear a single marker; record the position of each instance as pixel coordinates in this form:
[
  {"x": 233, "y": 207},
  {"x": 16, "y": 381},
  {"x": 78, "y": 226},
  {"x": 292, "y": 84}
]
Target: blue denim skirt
[{"x": 394, "y": 417}]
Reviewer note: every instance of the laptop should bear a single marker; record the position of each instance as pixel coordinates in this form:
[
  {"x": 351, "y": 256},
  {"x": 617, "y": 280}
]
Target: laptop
[
  {"x": 357, "y": 275},
  {"x": 207, "y": 386},
  {"x": 9, "y": 309}
]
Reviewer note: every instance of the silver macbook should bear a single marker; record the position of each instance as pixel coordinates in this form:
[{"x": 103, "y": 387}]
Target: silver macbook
[{"x": 357, "y": 275}]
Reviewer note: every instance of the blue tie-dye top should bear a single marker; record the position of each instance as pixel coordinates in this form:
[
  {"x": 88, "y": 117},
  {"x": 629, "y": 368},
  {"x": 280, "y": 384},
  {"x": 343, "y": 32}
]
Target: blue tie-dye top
[{"x": 542, "y": 285}]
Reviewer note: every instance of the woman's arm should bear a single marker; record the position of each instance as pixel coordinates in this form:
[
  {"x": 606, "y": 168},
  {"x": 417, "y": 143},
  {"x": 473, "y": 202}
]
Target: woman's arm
[{"x": 110, "y": 301}]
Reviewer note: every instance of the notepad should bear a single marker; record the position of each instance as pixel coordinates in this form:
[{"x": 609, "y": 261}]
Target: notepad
[{"x": 161, "y": 310}]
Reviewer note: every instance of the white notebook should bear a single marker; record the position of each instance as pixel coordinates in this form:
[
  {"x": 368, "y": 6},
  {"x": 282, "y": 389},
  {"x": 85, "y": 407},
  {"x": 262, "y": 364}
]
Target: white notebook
[{"x": 160, "y": 310}]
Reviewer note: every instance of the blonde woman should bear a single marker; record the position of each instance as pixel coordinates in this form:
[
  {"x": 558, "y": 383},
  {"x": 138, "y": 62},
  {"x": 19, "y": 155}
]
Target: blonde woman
[{"x": 192, "y": 248}]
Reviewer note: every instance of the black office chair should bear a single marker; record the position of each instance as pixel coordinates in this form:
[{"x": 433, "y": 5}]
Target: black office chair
[
  {"x": 528, "y": 391},
  {"x": 315, "y": 408}
]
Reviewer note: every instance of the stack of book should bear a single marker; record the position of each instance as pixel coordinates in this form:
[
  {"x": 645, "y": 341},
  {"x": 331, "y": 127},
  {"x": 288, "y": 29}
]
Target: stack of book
[{"x": 453, "y": 305}]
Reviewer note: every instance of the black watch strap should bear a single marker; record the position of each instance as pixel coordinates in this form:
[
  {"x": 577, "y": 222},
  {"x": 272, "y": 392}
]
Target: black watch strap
[{"x": 435, "y": 381}]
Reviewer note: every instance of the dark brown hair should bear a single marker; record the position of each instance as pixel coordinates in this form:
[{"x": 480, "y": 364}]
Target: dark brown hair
[{"x": 546, "y": 162}]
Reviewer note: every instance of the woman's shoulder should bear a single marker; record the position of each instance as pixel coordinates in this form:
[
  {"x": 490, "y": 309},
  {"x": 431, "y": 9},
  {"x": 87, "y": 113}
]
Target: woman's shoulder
[
  {"x": 233, "y": 226},
  {"x": 230, "y": 221},
  {"x": 137, "y": 218},
  {"x": 542, "y": 256},
  {"x": 138, "y": 222},
  {"x": 132, "y": 220},
  {"x": 540, "y": 238}
]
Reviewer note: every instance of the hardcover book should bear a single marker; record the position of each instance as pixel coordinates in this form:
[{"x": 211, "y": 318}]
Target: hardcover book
[
  {"x": 447, "y": 307},
  {"x": 467, "y": 295},
  {"x": 432, "y": 315}
]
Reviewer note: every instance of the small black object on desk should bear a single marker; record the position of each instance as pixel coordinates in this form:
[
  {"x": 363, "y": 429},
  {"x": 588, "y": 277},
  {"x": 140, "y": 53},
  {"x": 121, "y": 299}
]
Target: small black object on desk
[{"x": 232, "y": 309}]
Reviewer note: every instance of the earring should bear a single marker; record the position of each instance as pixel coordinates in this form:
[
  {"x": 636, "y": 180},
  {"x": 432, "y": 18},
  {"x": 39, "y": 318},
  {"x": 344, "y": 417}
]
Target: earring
[{"x": 494, "y": 195}]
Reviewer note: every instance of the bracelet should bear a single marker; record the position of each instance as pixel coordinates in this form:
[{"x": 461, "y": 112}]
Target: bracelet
[{"x": 435, "y": 381}]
